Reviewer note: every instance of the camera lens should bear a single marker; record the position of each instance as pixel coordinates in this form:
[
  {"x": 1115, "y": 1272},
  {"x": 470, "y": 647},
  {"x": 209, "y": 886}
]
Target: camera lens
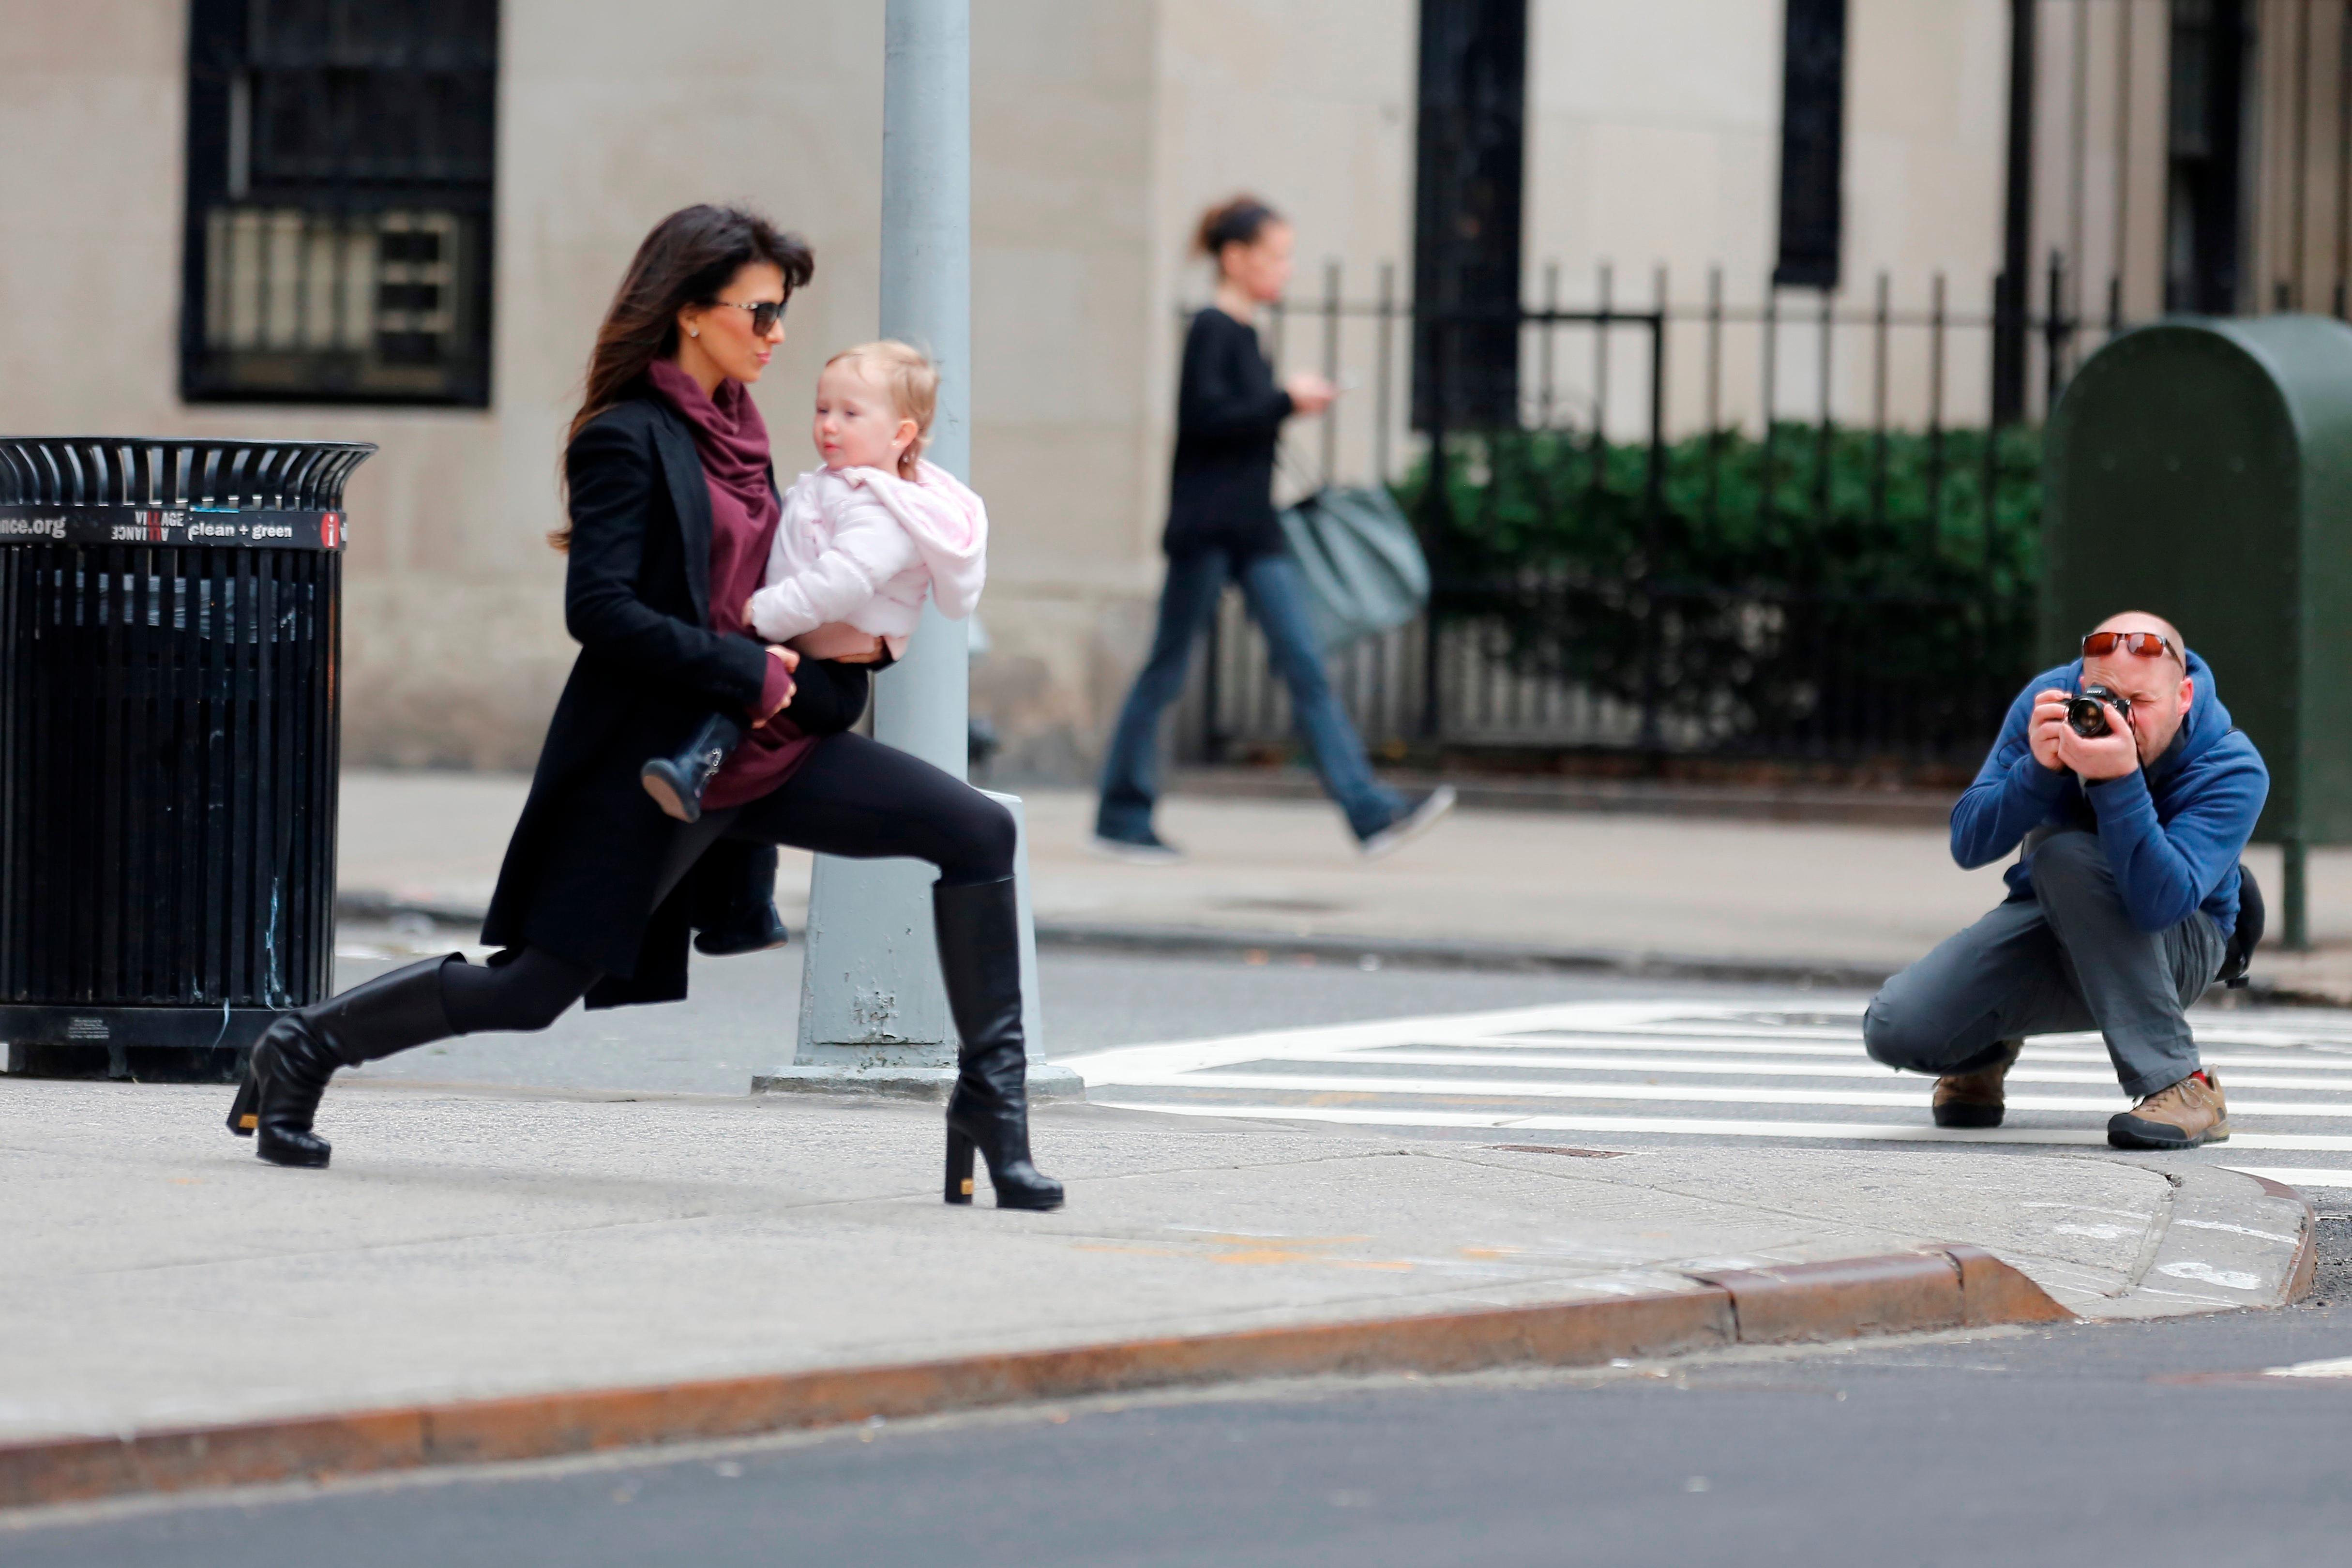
[{"x": 2087, "y": 717}]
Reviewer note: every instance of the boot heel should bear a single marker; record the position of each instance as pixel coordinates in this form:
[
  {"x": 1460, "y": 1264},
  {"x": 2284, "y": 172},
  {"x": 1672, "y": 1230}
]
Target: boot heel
[
  {"x": 959, "y": 1184},
  {"x": 245, "y": 1114}
]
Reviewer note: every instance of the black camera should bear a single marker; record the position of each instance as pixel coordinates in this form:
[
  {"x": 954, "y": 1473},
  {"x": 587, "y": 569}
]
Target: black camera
[{"x": 2086, "y": 715}]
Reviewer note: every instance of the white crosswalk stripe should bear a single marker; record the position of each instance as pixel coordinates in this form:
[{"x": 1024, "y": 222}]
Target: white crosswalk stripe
[
  {"x": 1727, "y": 1094},
  {"x": 1675, "y": 1069},
  {"x": 2102, "y": 1075}
]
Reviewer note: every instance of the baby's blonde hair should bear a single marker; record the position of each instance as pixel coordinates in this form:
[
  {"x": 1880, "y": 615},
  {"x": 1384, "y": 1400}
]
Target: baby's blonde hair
[{"x": 907, "y": 373}]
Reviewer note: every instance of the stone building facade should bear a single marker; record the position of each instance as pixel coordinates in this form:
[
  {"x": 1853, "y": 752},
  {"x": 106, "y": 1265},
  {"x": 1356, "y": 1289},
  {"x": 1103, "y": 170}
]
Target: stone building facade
[{"x": 1653, "y": 138}]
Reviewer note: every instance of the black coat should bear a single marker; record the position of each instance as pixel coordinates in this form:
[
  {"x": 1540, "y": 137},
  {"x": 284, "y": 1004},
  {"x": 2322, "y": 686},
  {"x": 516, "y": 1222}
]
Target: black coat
[
  {"x": 580, "y": 873},
  {"x": 1229, "y": 416}
]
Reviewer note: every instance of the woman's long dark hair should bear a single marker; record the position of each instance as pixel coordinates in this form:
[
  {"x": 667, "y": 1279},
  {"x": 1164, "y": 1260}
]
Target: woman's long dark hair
[{"x": 688, "y": 258}]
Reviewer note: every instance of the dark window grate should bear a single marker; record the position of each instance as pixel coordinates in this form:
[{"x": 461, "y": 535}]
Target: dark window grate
[
  {"x": 1469, "y": 192},
  {"x": 1812, "y": 145},
  {"x": 2203, "y": 157},
  {"x": 339, "y": 180}
]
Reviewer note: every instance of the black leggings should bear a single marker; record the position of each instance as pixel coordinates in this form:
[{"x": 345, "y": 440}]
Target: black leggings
[{"x": 853, "y": 797}]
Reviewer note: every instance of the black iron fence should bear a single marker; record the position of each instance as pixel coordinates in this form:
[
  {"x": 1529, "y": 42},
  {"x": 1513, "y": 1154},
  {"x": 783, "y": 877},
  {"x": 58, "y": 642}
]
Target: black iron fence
[{"x": 1786, "y": 529}]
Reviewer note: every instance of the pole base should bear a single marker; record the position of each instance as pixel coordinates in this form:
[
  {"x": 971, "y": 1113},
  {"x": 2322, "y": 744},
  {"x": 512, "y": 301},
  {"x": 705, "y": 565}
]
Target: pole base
[{"x": 1048, "y": 1081}]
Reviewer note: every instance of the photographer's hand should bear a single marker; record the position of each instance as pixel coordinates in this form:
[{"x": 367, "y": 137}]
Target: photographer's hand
[
  {"x": 2046, "y": 729},
  {"x": 2108, "y": 756}
]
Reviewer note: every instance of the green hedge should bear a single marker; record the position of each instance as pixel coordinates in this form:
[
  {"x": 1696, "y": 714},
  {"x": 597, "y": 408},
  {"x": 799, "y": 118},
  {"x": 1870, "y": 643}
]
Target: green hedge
[{"x": 1780, "y": 620}]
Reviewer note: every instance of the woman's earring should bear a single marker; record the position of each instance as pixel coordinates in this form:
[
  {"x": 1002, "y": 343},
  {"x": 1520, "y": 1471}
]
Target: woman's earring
[{"x": 694, "y": 331}]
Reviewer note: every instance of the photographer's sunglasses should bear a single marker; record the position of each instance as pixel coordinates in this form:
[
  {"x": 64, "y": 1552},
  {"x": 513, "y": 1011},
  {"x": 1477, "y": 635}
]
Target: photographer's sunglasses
[
  {"x": 765, "y": 313},
  {"x": 2146, "y": 645}
]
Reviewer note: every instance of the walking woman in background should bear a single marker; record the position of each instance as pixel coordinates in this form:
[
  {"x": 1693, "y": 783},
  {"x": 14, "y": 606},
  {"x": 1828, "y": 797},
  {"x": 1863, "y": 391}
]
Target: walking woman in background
[
  {"x": 674, "y": 506},
  {"x": 1221, "y": 528}
]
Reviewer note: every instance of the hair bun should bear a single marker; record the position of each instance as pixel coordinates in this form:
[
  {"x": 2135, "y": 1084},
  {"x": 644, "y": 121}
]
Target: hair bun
[{"x": 1238, "y": 221}]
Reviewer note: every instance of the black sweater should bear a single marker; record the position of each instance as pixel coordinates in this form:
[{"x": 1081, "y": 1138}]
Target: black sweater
[{"x": 1228, "y": 414}]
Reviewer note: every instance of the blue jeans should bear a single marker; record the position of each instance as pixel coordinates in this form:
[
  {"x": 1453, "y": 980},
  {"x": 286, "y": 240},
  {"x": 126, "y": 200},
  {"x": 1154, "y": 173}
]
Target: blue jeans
[{"x": 1271, "y": 586}]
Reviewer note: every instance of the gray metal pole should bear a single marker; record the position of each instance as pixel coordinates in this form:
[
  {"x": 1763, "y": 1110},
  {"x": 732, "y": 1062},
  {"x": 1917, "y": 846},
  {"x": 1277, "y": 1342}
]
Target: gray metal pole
[
  {"x": 922, "y": 705},
  {"x": 870, "y": 994},
  {"x": 874, "y": 1016}
]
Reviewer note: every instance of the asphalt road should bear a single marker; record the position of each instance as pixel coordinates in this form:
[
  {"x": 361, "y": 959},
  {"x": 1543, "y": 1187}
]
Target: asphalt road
[
  {"x": 1779, "y": 1065},
  {"x": 742, "y": 1013},
  {"x": 2154, "y": 1445}
]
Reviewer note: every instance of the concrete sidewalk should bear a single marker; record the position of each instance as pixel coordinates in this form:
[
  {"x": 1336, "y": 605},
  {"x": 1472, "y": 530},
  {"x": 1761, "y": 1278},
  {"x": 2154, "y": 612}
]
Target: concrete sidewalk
[
  {"x": 1697, "y": 894},
  {"x": 469, "y": 1245}
]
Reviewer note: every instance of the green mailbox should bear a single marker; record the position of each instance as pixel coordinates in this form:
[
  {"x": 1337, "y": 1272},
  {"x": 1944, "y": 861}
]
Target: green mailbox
[{"x": 2202, "y": 469}]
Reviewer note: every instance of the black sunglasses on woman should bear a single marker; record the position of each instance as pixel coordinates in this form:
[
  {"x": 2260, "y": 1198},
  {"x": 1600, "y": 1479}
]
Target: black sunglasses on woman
[{"x": 765, "y": 313}]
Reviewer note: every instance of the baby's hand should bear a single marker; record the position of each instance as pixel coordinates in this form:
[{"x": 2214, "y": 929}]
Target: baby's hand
[{"x": 751, "y": 628}]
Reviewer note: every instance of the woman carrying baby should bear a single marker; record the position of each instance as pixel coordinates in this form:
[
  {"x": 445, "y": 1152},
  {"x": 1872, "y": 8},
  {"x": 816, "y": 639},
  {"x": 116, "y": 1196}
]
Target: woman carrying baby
[
  {"x": 861, "y": 540},
  {"x": 674, "y": 521}
]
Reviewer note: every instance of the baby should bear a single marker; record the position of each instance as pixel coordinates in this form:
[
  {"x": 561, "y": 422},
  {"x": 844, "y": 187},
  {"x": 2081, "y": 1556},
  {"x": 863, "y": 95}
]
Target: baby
[{"x": 861, "y": 540}]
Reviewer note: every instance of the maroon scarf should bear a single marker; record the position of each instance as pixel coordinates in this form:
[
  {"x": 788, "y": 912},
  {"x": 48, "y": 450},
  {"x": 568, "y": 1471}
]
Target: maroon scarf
[{"x": 731, "y": 439}]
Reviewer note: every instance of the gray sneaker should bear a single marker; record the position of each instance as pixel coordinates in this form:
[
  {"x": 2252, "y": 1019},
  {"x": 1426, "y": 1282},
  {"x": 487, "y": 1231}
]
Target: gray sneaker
[
  {"x": 1148, "y": 850},
  {"x": 1410, "y": 824}
]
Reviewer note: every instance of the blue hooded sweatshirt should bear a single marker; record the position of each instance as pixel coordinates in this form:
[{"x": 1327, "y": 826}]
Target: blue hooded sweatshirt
[{"x": 2172, "y": 831}]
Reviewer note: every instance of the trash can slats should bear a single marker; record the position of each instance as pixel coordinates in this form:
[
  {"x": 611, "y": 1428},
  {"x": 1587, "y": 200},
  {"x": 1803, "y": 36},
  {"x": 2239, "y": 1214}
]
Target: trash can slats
[{"x": 169, "y": 652}]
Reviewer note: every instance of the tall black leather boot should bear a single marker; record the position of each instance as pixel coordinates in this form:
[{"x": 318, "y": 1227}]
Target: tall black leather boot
[
  {"x": 979, "y": 931},
  {"x": 676, "y": 783},
  {"x": 732, "y": 893},
  {"x": 293, "y": 1060}
]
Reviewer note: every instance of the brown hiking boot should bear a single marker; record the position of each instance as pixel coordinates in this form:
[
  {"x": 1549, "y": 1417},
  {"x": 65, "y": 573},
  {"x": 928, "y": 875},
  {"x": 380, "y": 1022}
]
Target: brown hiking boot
[
  {"x": 2190, "y": 1113},
  {"x": 1973, "y": 1099}
]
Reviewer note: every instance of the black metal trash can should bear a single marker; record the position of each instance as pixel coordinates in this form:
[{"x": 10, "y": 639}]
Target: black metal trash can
[{"x": 170, "y": 652}]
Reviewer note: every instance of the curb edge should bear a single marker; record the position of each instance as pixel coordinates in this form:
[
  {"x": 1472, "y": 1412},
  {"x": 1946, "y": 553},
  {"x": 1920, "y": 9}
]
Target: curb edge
[
  {"x": 1940, "y": 1287},
  {"x": 2223, "y": 1247},
  {"x": 2306, "y": 1272}
]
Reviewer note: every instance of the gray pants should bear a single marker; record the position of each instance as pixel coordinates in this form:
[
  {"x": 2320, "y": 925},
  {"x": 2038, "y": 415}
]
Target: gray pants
[{"x": 2068, "y": 958}]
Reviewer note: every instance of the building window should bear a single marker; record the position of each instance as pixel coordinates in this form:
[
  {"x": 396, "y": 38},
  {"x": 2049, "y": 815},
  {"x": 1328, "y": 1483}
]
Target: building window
[
  {"x": 337, "y": 246},
  {"x": 1470, "y": 162},
  {"x": 2203, "y": 151},
  {"x": 1812, "y": 145}
]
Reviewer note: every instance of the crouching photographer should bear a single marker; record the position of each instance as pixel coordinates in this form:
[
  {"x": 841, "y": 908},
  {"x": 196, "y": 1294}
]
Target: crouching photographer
[{"x": 2133, "y": 798}]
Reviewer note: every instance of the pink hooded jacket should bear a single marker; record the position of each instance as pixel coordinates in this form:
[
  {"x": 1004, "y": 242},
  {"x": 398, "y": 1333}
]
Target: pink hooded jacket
[{"x": 858, "y": 548}]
